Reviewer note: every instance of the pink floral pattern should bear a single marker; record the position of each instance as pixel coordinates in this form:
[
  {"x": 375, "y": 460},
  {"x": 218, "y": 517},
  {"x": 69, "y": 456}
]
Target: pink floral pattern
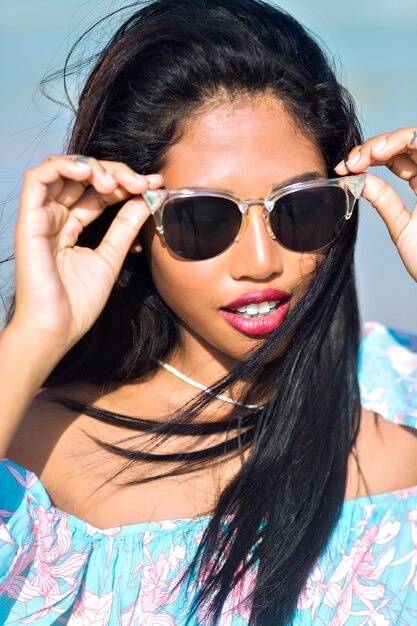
[{"x": 57, "y": 569}]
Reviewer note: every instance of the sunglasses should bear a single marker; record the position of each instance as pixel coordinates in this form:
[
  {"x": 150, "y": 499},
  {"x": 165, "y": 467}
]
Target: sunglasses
[{"x": 199, "y": 224}]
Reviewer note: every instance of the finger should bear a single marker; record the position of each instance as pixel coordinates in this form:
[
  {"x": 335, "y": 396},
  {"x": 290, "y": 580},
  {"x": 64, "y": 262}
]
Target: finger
[
  {"x": 402, "y": 141},
  {"x": 38, "y": 179},
  {"x": 89, "y": 208},
  {"x": 129, "y": 183},
  {"x": 122, "y": 233},
  {"x": 99, "y": 176},
  {"x": 39, "y": 182},
  {"x": 69, "y": 192},
  {"x": 79, "y": 171},
  {"x": 389, "y": 206},
  {"x": 126, "y": 176},
  {"x": 55, "y": 188},
  {"x": 380, "y": 150},
  {"x": 40, "y": 215},
  {"x": 65, "y": 191},
  {"x": 91, "y": 205},
  {"x": 42, "y": 181},
  {"x": 358, "y": 159},
  {"x": 111, "y": 167},
  {"x": 342, "y": 168},
  {"x": 404, "y": 167}
]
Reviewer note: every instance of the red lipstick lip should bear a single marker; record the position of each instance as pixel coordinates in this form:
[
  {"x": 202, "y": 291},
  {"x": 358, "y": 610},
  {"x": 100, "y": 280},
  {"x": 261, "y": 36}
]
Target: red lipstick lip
[
  {"x": 258, "y": 326},
  {"x": 270, "y": 295}
]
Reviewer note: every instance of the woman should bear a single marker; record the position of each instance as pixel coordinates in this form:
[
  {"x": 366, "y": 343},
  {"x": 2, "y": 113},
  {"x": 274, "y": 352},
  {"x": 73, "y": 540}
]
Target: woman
[{"x": 275, "y": 495}]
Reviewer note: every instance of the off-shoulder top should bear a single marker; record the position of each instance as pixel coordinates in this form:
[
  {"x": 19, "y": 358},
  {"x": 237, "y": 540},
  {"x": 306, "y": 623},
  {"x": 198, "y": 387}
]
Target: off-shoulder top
[{"x": 58, "y": 569}]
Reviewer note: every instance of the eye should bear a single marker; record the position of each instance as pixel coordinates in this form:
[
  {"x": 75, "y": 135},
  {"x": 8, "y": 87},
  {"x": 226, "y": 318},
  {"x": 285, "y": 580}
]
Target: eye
[{"x": 309, "y": 219}]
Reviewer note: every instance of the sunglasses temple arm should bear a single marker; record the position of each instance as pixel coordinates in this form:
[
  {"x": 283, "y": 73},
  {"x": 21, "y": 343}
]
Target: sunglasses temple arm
[{"x": 355, "y": 185}]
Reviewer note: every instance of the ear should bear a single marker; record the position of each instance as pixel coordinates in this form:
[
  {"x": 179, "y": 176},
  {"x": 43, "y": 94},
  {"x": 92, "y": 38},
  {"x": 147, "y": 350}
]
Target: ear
[{"x": 136, "y": 246}]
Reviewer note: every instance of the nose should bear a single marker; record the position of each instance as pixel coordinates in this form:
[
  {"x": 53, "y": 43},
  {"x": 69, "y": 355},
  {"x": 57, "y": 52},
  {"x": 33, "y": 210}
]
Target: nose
[{"x": 256, "y": 254}]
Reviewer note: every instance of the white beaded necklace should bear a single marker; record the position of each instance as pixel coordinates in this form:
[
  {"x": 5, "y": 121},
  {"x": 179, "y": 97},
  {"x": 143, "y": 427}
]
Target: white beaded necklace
[{"x": 194, "y": 383}]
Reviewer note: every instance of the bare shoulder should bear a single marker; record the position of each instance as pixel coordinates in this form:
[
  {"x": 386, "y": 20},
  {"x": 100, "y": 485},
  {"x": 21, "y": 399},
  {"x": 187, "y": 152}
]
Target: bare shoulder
[
  {"x": 46, "y": 432},
  {"x": 387, "y": 456}
]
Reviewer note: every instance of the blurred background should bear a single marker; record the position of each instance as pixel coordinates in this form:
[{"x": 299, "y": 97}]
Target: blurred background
[{"x": 374, "y": 45}]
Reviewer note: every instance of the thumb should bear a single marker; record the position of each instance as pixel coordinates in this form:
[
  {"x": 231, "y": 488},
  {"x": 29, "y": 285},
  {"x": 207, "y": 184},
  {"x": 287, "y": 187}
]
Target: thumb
[
  {"x": 122, "y": 233},
  {"x": 388, "y": 204}
]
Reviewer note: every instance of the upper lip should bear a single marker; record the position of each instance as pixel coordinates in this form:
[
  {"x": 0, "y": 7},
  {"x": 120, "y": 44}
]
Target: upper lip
[{"x": 270, "y": 295}]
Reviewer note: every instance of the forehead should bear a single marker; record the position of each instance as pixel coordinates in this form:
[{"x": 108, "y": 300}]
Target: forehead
[{"x": 241, "y": 147}]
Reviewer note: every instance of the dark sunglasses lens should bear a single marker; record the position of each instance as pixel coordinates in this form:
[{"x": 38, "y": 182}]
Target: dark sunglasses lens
[
  {"x": 307, "y": 220},
  {"x": 200, "y": 227}
]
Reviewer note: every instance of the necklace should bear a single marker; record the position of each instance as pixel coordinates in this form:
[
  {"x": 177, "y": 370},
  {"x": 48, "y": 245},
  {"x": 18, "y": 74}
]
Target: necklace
[{"x": 194, "y": 383}]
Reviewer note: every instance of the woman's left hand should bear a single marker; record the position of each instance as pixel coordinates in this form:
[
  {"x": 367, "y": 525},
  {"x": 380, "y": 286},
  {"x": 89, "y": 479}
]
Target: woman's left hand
[{"x": 398, "y": 151}]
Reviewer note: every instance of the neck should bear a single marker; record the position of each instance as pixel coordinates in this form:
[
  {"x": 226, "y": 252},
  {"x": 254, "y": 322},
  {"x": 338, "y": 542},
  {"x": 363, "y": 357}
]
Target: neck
[
  {"x": 206, "y": 365},
  {"x": 199, "y": 359},
  {"x": 201, "y": 387}
]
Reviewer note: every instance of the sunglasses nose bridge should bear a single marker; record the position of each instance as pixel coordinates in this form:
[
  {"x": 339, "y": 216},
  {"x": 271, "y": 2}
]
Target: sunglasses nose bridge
[
  {"x": 253, "y": 202},
  {"x": 244, "y": 208},
  {"x": 267, "y": 206}
]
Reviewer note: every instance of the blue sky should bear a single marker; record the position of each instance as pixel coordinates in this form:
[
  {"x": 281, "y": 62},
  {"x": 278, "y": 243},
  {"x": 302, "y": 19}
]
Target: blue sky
[{"x": 375, "y": 48}]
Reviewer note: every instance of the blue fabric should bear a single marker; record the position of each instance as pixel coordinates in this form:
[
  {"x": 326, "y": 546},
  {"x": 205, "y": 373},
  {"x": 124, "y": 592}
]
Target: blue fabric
[{"x": 57, "y": 569}]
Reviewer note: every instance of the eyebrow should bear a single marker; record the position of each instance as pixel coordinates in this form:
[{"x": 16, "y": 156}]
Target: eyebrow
[{"x": 300, "y": 178}]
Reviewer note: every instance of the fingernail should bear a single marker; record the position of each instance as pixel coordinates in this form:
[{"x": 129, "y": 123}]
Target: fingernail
[
  {"x": 109, "y": 178},
  {"x": 380, "y": 146},
  {"x": 81, "y": 159},
  {"x": 354, "y": 160},
  {"x": 81, "y": 163},
  {"x": 340, "y": 165}
]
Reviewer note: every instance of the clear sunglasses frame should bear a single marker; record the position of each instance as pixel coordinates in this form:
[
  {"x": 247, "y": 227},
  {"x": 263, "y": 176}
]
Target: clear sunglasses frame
[{"x": 156, "y": 199}]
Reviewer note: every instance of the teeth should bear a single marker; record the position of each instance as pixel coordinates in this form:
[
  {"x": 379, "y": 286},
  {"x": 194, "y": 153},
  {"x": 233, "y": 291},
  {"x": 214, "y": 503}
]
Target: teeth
[
  {"x": 256, "y": 310},
  {"x": 263, "y": 307}
]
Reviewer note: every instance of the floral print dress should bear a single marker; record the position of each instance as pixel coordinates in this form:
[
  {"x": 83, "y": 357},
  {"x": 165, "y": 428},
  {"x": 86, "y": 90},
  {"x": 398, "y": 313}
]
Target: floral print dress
[{"x": 57, "y": 569}]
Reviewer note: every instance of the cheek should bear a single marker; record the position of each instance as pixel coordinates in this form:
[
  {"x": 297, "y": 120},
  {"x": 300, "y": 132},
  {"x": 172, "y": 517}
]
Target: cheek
[
  {"x": 194, "y": 289},
  {"x": 186, "y": 287},
  {"x": 310, "y": 263},
  {"x": 306, "y": 269}
]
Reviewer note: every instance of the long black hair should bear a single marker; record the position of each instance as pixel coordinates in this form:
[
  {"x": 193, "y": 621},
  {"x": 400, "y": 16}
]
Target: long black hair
[{"x": 167, "y": 62}]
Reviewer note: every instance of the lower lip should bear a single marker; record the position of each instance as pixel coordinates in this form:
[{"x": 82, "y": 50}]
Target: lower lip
[{"x": 259, "y": 325}]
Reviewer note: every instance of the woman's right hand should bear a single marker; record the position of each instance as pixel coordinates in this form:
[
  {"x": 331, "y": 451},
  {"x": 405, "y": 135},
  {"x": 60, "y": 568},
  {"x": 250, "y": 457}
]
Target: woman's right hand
[{"x": 62, "y": 288}]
